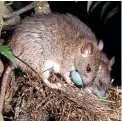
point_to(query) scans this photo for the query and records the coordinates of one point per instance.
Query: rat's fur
(58, 38)
(103, 79)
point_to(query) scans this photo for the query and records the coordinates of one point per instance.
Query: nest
(29, 99)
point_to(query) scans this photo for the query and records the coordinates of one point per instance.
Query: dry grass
(29, 99)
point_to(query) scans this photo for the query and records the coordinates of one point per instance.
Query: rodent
(59, 41)
(103, 79)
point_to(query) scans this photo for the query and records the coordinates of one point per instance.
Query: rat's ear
(100, 45)
(87, 49)
(102, 64)
(111, 62)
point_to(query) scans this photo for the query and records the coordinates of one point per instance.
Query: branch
(4, 82)
(20, 11)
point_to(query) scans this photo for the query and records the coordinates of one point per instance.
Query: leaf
(96, 4)
(4, 50)
(105, 8)
(111, 13)
(1, 117)
(89, 3)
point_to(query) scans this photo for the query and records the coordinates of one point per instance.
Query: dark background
(110, 32)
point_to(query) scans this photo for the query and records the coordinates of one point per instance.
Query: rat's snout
(102, 93)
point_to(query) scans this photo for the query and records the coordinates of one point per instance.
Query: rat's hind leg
(45, 77)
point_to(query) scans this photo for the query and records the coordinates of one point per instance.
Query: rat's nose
(87, 82)
(102, 93)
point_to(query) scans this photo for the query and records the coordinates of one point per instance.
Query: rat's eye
(100, 84)
(88, 69)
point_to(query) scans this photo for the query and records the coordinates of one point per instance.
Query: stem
(20, 11)
(4, 82)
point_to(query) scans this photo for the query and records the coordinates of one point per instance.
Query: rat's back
(42, 37)
(56, 38)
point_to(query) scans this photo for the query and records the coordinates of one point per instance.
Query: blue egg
(76, 77)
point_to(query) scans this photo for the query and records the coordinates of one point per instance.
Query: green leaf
(96, 4)
(111, 13)
(89, 5)
(1, 117)
(105, 9)
(4, 50)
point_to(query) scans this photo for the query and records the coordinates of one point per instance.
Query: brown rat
(57, 41)
(103, 79)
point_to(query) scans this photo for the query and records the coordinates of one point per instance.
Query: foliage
(5, 51)
(1, 117)
(108, 10)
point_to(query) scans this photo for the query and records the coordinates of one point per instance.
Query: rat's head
(88, 60)
(103, 80)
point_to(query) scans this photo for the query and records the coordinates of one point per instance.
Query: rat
(57, 41)
(103, 79)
